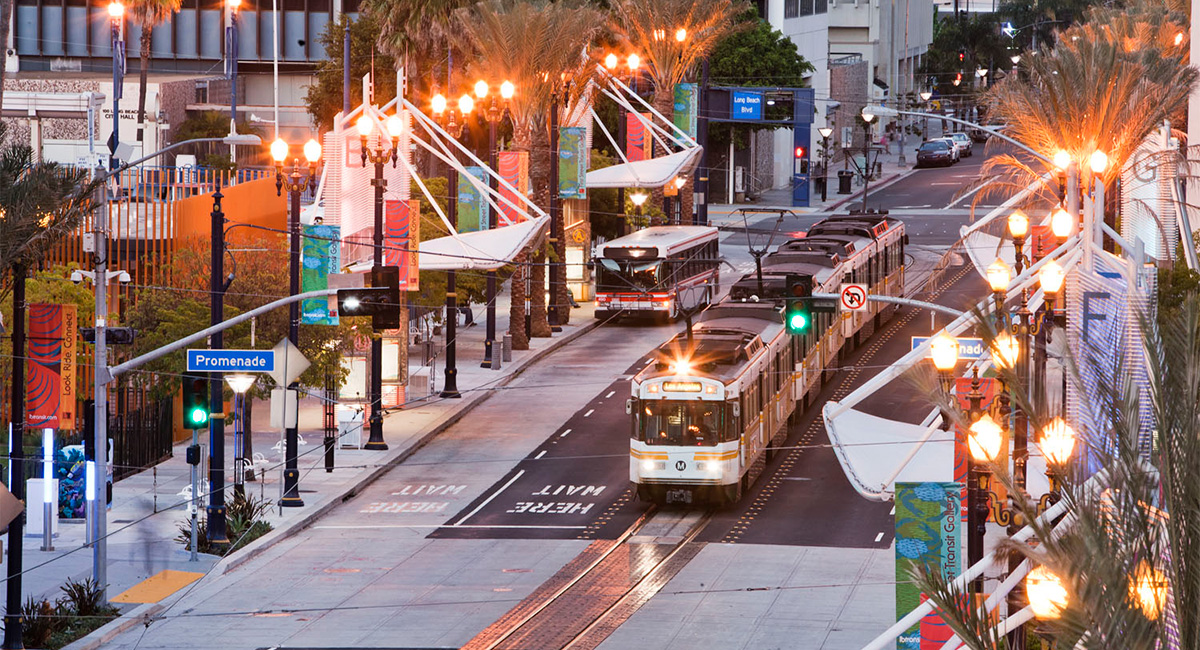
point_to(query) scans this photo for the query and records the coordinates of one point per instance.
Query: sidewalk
(781, 198)
(148, 507)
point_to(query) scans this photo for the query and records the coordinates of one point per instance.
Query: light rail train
(706, 413)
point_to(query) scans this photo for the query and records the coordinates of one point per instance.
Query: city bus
(657, 271)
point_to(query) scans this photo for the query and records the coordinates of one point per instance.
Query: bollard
(506, 352)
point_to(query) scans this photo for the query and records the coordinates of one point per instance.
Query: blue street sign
(745, 105)
(967, 348)
(231, 361)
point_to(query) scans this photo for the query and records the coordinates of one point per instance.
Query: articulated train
(705, 414)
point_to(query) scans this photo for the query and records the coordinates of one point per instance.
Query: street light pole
(494, 116)
(116, 14)
(553, 312)
(866, 117)
(295, 182)
(378, 155)
(232, 52)
(454, 127)
(825, 132)
(215, 531)
(12, 611)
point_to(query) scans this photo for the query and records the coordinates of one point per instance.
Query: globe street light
(1018, 227)
(1149, 589)
(295, 181)
(999, 275)
(378, 154)
(453, 121)
(495, 114)
(944, 350)
(1061, 224)
(868, 115)
(1047, 595)
(240, 383)
(825, 132)
(1057, 443)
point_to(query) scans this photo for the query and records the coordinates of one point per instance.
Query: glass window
(791, 8)
(675, 423)
(806, 7)
(613, 275)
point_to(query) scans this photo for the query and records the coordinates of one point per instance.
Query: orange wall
(251, 202)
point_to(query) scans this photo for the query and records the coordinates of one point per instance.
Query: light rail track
(592, 595)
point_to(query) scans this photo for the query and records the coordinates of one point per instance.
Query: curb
(145, 613)
(142, 614)
(879, 186)
(261, 545)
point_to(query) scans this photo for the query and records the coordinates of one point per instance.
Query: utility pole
(16, 529)
(99, 505)
(216, 422)
(702, 140)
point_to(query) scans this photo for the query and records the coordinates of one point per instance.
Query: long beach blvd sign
(231, 361)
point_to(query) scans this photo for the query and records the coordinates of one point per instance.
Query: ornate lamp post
(1047, 595)
(925, 97)
(867, 117)
(611, 63)
(494, 113)
(231, 51)
(295, 181)
(1018, 227)
(825, 132)
(378, 154)
(944, 351)
(452, 120)
(1062, 224)
(1057, 443)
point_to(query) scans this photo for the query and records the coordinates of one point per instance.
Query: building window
(806, 7)
(822, 6)
(791, 8)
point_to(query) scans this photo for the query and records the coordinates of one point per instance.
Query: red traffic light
(800, 152)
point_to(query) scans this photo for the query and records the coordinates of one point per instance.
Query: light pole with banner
(494, 113)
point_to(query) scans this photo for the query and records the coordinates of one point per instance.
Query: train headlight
(647, 466)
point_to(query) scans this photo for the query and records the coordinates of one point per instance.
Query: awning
(872, 452)
(485, 249)
(651, 173)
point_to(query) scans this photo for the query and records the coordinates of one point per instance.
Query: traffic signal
(801, 160)
(797, 312)
(381, 301)
(195, 402)
(962, 56)
(112, 336)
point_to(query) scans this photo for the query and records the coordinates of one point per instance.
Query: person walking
(885, 143)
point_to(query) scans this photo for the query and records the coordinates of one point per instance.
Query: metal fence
(141, 436)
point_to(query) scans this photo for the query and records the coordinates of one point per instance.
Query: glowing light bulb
(481, 89)
(279, 150)
(312, 151)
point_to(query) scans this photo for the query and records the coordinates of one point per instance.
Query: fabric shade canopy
(654, 172)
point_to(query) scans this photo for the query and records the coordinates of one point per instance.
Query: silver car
(963, 142)
(954, 146)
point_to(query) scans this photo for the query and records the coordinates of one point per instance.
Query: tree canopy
(324, 96)
(757, 56)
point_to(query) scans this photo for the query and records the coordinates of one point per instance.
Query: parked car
(935, 152)
(981, 136)
(954, 148)
(963, 142)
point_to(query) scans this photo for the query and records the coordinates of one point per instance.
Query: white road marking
(540, 454)
(964, 197)
(489, 499)
(879, 537)
(564, 433)
(590, 411)
(610, 394)
(367, 527)
(893, 512)
(796, 478)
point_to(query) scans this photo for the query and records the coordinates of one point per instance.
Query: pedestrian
(885, 143)
(468, 315)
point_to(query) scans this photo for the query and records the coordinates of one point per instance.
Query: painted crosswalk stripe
(489, 499)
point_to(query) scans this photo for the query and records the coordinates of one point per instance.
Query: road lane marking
(879, 537)
(590, 411)
(381, 526)
(963, 197)
(540, 454)
(893, 512)
(564, 433)
(610, 394)
(489, 499)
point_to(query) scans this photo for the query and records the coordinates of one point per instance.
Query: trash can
(844, 178)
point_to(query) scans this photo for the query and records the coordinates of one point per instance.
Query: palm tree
(540, 47)
(418, 27)
(1106, 86)
(148, 14)
(653, 29)
(40, 203)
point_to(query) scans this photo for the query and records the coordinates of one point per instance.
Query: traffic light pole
(98, 514)
(375, 441)
(16, 529)
(215, 531)
(291, 471)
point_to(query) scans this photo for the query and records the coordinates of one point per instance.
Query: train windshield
(695, 423)
(620, 275)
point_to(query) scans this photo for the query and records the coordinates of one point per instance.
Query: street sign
(854, 297)
(289, 363)
(745, 105)
(230, 361)
(967, 348)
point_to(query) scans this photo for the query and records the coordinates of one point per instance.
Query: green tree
(324, 97)
(148, 14)
(978, 38)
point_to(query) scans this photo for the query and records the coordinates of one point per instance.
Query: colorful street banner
(472, 207)
(637, 142)
(927, 534)
(401, 234)
(43, 383)
(687, 98)
(320, 255)
(70, 345)
(514, 169)
(572, 162)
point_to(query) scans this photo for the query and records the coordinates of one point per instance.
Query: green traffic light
(798, 322)
(198, 415)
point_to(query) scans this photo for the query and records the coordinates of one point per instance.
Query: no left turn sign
(854, 297)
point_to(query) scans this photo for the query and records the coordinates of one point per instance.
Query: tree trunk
(147, 33)
(6, 12)
(563, 299)
(538, 324)
(516, 311)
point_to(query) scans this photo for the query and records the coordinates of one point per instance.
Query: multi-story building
(65, 46)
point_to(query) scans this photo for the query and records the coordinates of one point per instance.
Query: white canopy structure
(484, 250)
(654, 172)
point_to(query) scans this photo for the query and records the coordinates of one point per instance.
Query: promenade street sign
(967, 348)
(230, 361)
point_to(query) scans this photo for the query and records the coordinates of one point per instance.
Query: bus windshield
(695, 423)
(620, 275)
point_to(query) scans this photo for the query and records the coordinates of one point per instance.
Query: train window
(669, 422)
(732, 425)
